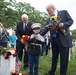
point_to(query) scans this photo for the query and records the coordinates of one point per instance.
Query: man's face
(25, 20)
(50, 11)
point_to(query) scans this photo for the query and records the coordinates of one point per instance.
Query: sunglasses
(36, 28)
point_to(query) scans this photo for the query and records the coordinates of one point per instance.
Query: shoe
(50, 73)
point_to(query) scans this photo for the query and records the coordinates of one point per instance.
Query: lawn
(45, 64)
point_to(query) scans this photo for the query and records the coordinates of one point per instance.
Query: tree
(73, 34)
(11, 12)
(30, 11)
(3, 8)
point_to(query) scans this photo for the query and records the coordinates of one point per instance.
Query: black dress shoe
(50, 73)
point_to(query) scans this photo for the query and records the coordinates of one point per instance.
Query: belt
(35, 44)
(56, 31)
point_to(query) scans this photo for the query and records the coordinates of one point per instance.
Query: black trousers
(20, 48)
(58, 48)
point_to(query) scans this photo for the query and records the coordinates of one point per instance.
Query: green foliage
(32, 13)
(2, 50)
(73, 34)
(11, 12)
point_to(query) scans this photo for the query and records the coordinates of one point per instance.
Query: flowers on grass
(18, 74)
(6, 53)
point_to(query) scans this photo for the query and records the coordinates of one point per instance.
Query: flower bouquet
(55, 24)
(25, 38)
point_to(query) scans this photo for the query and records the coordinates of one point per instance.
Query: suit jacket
(68, 21)
(20, 32)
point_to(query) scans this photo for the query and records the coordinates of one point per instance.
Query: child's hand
(32, 36)
(39, 37)
(22, 41)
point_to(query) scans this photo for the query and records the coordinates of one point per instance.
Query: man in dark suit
(23, 28)
(60, 42)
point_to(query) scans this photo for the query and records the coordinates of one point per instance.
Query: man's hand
(22, 41)
(61, 25)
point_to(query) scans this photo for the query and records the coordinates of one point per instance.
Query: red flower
(15, 54)
(14, 74)
(18, 74)
(7, 55)
(25, 37)
(58, 17)
(24, 74)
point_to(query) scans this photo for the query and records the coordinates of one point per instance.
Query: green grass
(45, 64)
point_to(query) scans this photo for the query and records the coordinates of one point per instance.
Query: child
(13, 39)
(34, 48)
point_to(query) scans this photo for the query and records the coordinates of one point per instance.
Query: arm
(32, 36)
(68, 20)
(40, 38)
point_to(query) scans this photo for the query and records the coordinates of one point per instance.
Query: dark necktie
(24, 26)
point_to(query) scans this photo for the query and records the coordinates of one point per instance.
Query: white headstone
(7, 65)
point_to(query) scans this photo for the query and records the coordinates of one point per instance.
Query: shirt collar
(24, 23)
(56, 13)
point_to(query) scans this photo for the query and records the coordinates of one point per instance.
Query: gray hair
(51, 6)
(24, 16)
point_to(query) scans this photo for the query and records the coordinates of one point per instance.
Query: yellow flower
(53, 18)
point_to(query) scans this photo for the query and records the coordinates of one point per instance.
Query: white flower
(20, 73)
(12, 51)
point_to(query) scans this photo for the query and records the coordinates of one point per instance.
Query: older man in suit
(23, 28)
(60, 42)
